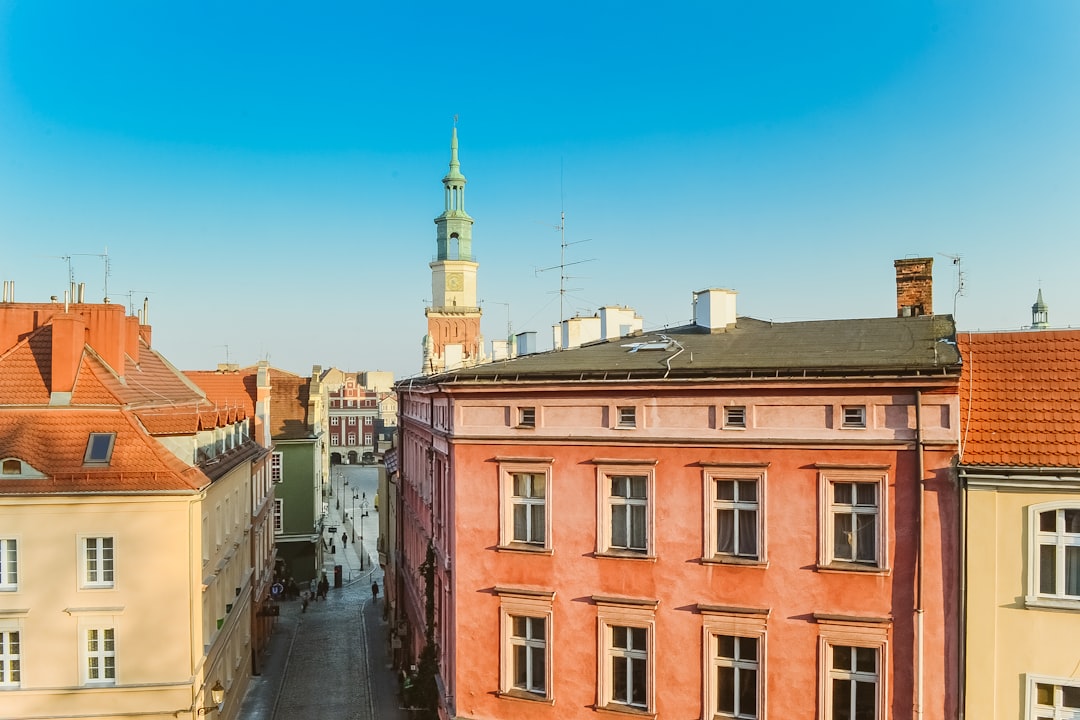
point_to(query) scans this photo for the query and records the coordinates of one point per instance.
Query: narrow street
(331, 662)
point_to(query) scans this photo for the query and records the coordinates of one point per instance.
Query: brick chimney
(914, 287)
(68, 342)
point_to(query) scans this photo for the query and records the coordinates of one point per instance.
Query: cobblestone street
(331, 662)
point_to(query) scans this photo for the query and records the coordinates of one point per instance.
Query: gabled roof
(231, 389)
(920, 345)
(289, 395)
(1020, 399)
(54, 442)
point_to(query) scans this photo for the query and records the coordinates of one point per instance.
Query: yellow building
(125, 509)
(1020, 466)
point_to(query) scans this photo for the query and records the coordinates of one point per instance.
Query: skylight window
(99, 448)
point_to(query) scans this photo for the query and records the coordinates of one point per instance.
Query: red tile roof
(1020, 398)
(53, 441)
(289, 406)
(227, 390)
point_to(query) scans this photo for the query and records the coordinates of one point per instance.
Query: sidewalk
(331, 662)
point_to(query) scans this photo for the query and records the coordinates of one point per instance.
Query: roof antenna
(959, 279)
(561, 227)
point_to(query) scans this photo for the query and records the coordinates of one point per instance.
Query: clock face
(454, 281)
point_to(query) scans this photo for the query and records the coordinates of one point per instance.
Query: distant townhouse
(353, 411)
(730, 519)
(299, 469)
(125, 503)
(1020, 470)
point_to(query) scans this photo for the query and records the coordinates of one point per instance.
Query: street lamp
(363, 514)
(217, 694)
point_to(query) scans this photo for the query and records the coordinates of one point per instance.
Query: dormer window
(11, 468)
(99, 448)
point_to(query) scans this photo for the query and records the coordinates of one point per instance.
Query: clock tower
(453, 338)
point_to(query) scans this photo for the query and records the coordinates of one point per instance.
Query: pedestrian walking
(344, 540)
(375, 592)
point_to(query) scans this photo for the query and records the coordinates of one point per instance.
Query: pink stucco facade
(794, 594)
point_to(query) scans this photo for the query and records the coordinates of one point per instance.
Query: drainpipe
(919, 610)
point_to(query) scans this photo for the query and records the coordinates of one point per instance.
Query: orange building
(731, 519)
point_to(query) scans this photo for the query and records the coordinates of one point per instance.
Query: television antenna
(959, 279)
(561, 267)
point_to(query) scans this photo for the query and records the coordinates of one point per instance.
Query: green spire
(455, 166)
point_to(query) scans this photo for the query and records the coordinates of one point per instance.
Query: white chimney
(616, 322)
(714, 308)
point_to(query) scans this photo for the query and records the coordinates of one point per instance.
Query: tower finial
(1040, 313)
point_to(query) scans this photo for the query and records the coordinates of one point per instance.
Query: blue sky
(267, 175)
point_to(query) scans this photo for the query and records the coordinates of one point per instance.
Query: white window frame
(524, 603)
(352, 419)
(742, 623)
(99, 577)
(10, 660)
(1058, 711)
(735, 417)
(98, 630)
(635, 613)
(9, 564)
(605, 502)
(868, 633)
(526, 417)
(828, 478)
(334, 420)
(279, 516)
(352, 439)
(277, 467)
(853, 417)
(508, 469)
(714, 474)
(1060, 539)
(626, 417)
(367, 438)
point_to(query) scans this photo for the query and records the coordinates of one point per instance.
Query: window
(627, 417)
(1054, 577)
(98, 562)
(352, 438)
(334, 420)
(525, 498)
(100, 656)
(9, 564)
(367, 438)
(12, 467)
(525, 665)
(99, 448)
(852, 524)
(734, 503)
(1053, 698)
(352, 419)
(854, 416)
(526, 417)
(625, 521)
(627, 653)
(852, 653)
(9, 658)
(279, 513)
(735, 416)
(528, 647)
(853, 682)
(628, 504)
(276, 470)
(734, 667)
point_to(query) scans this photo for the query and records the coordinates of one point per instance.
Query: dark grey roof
(922, 345)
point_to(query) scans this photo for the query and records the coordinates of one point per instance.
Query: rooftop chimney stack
(714, 309)
(914, 287)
